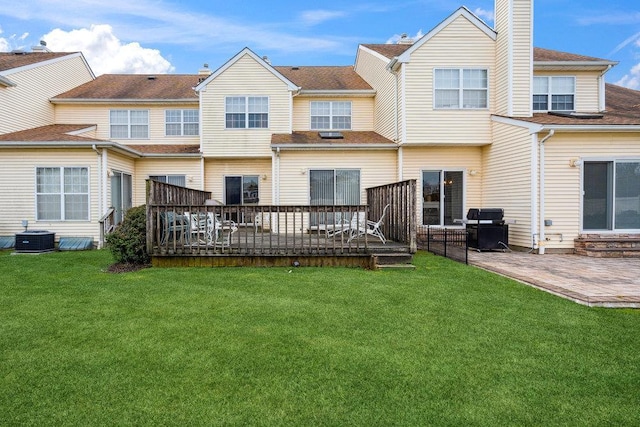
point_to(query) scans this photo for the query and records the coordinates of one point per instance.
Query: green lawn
(445, 344)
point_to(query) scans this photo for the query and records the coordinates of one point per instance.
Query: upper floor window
(554, 93)
(62, 194)
(331, 115)
(181, 123)
(129, 124)
(460, 88)
(247, 112)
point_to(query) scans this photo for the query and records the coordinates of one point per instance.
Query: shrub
(128, 242)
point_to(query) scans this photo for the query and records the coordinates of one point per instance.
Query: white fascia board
(532, 127)
(378, 55)
(243, 52)
(6, 82)
(569, 64)
(462, 11)
(47, 62)
(593, 128)
(83, 130)
(194, 101)
(307, 147)
(365, 93)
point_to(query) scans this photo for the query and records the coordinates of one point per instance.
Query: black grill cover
(490, 214)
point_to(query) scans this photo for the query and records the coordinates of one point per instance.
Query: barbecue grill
(487, 229)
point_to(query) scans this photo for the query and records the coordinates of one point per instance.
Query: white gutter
(391, 146)
(542, 237)
(122, 101)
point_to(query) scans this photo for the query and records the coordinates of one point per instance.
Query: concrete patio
(595, 282)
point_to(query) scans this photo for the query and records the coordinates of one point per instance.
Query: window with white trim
(62, 194)
(554, 93)
(330, 115)
(460, 88)
(180, 180)
(442, 197)
(181, 123)
(129, 124)
(247, 112)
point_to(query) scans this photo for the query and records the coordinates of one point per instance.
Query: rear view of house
(475, 115)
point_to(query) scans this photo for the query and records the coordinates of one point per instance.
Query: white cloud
(106, 53)
(631, 80)
(394, 38)
(486, 15)
(315, 17)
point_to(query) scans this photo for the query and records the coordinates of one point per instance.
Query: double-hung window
(129, 124)
(330, 115)
(461, 88)
(555, 93)
(62, 193)
(181, 123)
(247, 112)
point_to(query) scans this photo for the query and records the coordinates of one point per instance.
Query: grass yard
(446, 344)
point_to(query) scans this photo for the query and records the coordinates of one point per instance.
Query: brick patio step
(608, 246)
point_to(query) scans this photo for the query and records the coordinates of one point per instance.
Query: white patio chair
(369, 227)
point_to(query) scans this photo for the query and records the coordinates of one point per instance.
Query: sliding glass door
(611, 195)
(333, 187)
(442, 197)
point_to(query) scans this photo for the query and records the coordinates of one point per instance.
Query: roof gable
(461, 12)
(10, 61)
(236, 58)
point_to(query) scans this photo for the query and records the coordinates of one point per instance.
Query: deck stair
(394, 259)
(608, 246)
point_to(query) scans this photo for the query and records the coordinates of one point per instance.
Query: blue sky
(154, 36)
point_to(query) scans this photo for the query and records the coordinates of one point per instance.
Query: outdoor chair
(369, 227)
(174, 226)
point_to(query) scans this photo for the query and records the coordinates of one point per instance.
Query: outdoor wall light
(473, 172)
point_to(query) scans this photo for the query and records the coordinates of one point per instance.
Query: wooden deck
(246, 247)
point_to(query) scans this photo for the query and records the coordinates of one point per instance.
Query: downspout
(100, 179)
(202, 177)
(542, 178)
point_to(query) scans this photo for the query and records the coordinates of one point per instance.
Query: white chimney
(404, 39)
(204, 71)
(42, 47)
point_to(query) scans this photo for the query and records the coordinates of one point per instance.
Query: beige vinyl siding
(506, 179)
(244, 78)
(522, 58)
(373, 70)
(18, 200)
(513, 57)
(27, 104)
(501, 24)
(161, 166)
(460, 45)
(563, 200)
(216, 170)
(361, 112)
(587, 88)
(100, 116)
(419, 159)
(376, 168)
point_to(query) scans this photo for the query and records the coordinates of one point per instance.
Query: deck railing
(176, 229)
(107, 225)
